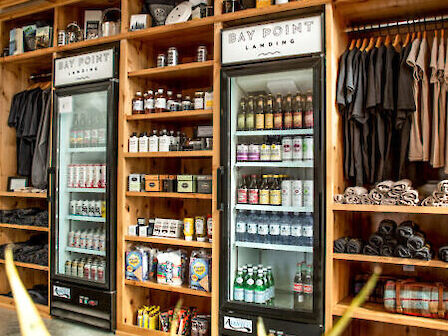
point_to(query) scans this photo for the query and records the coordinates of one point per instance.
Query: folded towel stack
(384, 193)
(347, 245)
(439, 196)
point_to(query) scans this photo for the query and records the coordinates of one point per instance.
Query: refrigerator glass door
(272, 190)
(80, 199)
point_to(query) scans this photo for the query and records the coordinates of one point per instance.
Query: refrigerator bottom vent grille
(87, 316)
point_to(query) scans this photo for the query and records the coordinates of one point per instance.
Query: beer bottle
(259, 117)
(269, 112)
(297, 116)
(287, 112)
(275, 193)
(264, 191)
(253, 190)
(298, 288)
(309, 111)
(242, 191)
(250, 114)
(241, 120)
(278, 112)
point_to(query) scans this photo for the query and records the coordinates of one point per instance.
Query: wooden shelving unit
(194, 115)
(168, 288)
(22, 194)
(180, 154)
(169, 241)
(24, 227)
(390, 260)
(390, 209)
(168, 195)
(190, 70)
(28, 265)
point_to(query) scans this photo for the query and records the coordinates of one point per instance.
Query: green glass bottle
(260, 288)
(238, 286)
(249, 287)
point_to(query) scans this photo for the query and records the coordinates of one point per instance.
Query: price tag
(65, 104)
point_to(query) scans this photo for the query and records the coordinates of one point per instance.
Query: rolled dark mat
(354, 246)
(370, 250)
(391, 241)
(387, 250)
(425, 253)
(443, 253)
(406, 229)
(402, 252)
(416, 241)
(387, 227)
(376, 240)
(339, 245)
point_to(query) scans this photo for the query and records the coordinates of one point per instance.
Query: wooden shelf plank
(200, 153)
(168, 288)
(24, 227)
(28, 265)
(132, 330)
(31, 56)
(90, 43)
(376, 312)
(390, 260)
(390, 208)
(186, 70)
(168, 195)
(22, 194)
(274, 9)
(169, 241)
(183, 116)
(8, 302)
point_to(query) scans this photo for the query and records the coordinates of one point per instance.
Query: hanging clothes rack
(395, 24)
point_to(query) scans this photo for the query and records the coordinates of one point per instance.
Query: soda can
(70, 175)
(90, 176)
(286, 193)
(202, 53)
(71, 238)
(78, 210)
(97, 209)
(74, 268)
(242, 152)
(62, 37)
(91, 208)
(173, 56)
(100, 272)
(82, 176)
(68, 267)
(308, 193)
(94, 272)
(297, 193)
(103, 181)
(87, 271)
(308, 148)
(73, 207)
(77, 239)
(287, 149)
(97, 177)
(297, 148)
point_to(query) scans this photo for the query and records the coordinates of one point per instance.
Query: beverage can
(100, 272)
(287, 148)
(97, 176)
(68, 267)
(71, 238)
(286, 193)
(297, 148)
(82, 176)
(254, 152)
(70, 175)
(308, 191)
(297, 193)
(242, 152)
(103, 181)
(87, 271)
(78, 210)
(91, 208)
(85, 208)
(276, 152)
(202, 53)
(173, 56)
(97, 209)
(73, 207)
(308, 148)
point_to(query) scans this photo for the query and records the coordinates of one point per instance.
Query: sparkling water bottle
(240, 228)
(238, 286)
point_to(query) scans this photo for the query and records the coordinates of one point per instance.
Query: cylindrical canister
(297, 193)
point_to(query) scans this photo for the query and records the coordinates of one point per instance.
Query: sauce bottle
(137, 103)
(160, 101)
(149, 102)
(133, 143)
(154, 142)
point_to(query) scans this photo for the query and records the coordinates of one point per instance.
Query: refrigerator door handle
(51, 171)
(219, 177)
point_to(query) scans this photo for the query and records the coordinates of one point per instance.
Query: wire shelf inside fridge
(277, 247)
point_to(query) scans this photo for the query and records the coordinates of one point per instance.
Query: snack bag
(134, 265)
(200, 271)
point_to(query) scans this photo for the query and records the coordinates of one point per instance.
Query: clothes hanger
(371, 44)
(365, 42)
(387, 41)
(379, 39)
(424, 26)
(408, 35)
(397, 39)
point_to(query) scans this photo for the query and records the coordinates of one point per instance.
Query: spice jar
(202, 54)
(186, 104)
(149, 102)
(173, 57)
(199, 100)
(161, 60)
(160, 101)
(137, 103)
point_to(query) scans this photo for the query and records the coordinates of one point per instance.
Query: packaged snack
(200, 264)
(136, 265)
(171, 267)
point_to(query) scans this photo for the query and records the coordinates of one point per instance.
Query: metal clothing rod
(425, 20)
(39, 76)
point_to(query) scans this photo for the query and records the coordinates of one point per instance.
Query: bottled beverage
(287, 112)
(252, 227)
(269, 112)
(253, 190)
(297, 116)
(260, 288)
(250, 114)
(241, 119)
(143, 142)
(164, 142)
(74, 131)
(270, 276)
(154, 142)
(241, 225)
(285, 231)
(274, 230)
(259, 116)
(265, 191)
(169, 100)
(276, 150)
(298, 288)
(149, 102)
(265, 151)
(267, 284)
(249, 287)
(263, 229)
(137, 103)
(296, 230)
(309, 111)
(278, 112)
(307, 229)
(287, 148)
(308, 287)
(242, 191)
(238, 286)
(160, 101)
(275, 193)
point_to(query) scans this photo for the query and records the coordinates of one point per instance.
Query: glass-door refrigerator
(83, 193)
(273, 181)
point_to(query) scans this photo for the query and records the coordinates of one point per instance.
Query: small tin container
(152, 183)
(202, 54)
(62, 37)
(186, 183)
(173, 56)
(169, 183)
(204, 183)
(161, 60)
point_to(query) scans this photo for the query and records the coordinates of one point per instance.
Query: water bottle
(252, 227)
(241, 224)
(307, 229)
(274, 229)
(263, 228)
(296, 230)
(285, 230)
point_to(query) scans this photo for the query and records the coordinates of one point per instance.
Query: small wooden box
(152, 183)
(186, 183)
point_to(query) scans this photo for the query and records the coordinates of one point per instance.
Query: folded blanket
(339, 199)
(376, 241)
(401, 186)
(355, 191)
(402, 252)
(354, 246)
(387, 250)
(389, 201)
(411, 196)
(385, 186)
(365, 199)
(406, 229)
(339, 245)
(440, 196)
(429, 201)
(370, 250)
(375, 195)
(407, 203)
(395, 194)
(443, 253)
(425, 253)
(387, 227)
(391, 241)
(352, 199)
(416, 242)
(442, 186)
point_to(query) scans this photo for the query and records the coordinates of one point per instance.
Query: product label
(240, 227)
(297, 120)
(252, 228)
(133, 145)
(274, 229)
(160, 103)
(249, 294)
(253, 196)
(241, 122)
(265, 152)
(278, 120)
(149, 103)
(285, 230)
(288, 120)
(276, 197)
(259, 121)
(276, 153)
(308, 289)
(269, 121)
(238, 324)
(309, 119)
(250, 122)
(238, 294)
(260, 296)
(154, 144)
(264, 196)
(137, 105)
(198, 103)
(296, 231)
(263, 229)
(242, 196)
(307, 231)
(298, 287)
